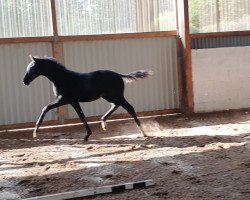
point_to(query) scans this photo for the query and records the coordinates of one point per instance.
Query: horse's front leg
(82, 117)
(58, 102)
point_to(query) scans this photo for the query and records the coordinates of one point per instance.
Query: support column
(185, 55)
(57, 53)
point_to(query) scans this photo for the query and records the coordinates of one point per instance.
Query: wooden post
(57, 54)
(186, 57)
(179, 59)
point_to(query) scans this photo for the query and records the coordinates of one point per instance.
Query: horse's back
(107, 80)
(85, 87)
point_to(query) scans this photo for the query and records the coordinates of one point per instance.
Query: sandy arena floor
(205, 156)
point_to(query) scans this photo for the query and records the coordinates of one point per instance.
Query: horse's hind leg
(132, 112)
(107, 114)
(82, 117)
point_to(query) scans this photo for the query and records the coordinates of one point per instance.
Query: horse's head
(33, 71)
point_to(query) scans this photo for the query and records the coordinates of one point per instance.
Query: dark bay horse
(72, 87)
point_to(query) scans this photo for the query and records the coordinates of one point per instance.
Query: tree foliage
(219, 15)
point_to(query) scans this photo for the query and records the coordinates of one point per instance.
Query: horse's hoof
(148, 137)
(34, 134)
(86, 139)
(104, 124)
(144, 137)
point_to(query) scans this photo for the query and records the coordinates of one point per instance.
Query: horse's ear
(33, 58)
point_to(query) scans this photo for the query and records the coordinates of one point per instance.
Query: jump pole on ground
(95, 191)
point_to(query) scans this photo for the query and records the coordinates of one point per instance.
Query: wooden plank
(26, 40)
(117, 36)
(179, 60)
(87, 37)
(220, 34)
(120, 36)
(57, 53)
(6, 128)
(95, 191)
(126, 116)
(53, 14)
(185, 53)
(179, 71)
(189, 73)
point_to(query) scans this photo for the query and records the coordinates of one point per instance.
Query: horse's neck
(58, 75)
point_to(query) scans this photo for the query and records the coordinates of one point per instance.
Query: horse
(72, 87)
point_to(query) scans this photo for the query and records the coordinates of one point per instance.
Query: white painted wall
(221, 78)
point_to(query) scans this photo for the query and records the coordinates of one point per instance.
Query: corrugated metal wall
(234, 41)
(18, 103)
(159, 54)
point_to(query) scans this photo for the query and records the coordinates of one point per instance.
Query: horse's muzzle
(26, 82)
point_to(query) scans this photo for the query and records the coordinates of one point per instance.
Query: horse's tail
(134, 76)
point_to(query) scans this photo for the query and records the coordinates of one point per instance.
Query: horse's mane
(51, 60)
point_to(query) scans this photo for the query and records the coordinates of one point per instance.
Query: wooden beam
(179, 60)
(179, 71)
(26, 40)
(6, 128)
(120, 36)
(54, 21)
(125, 116)
(116, 36)
(220, 34)
(189, 76)
(57, 53)
(186, 58)
(57, 38)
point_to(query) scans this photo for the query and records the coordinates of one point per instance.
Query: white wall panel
(158, 92)
(18, 103)
(221, 78)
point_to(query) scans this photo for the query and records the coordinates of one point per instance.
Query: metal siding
(234, 41)
(20, 104)
(158, 92)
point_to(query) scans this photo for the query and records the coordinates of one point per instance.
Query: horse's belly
(86, 97)
(79, 94)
